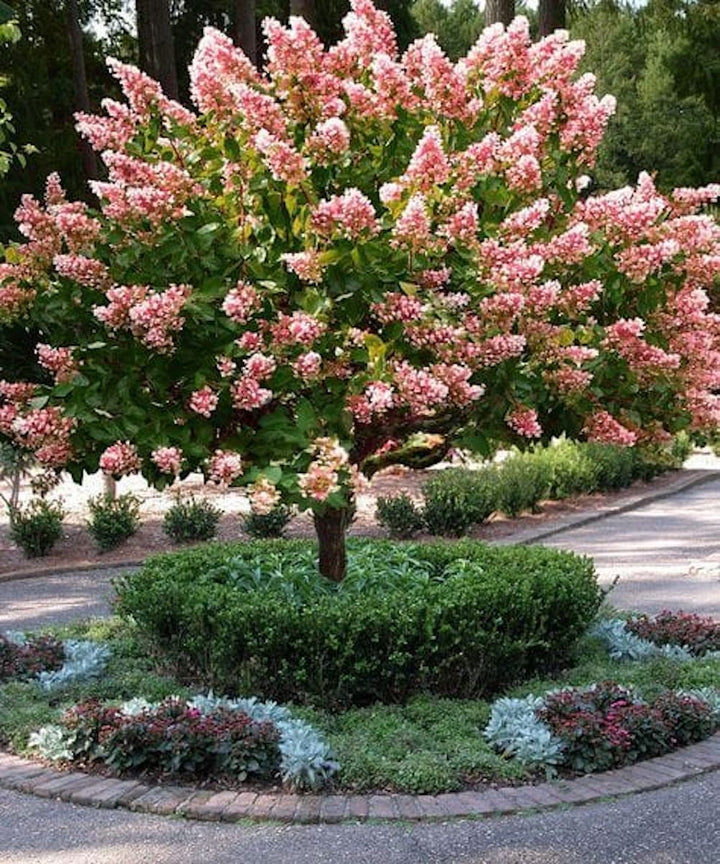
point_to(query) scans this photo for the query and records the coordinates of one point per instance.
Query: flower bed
(602, 726)
(205, 737)
(49, 661)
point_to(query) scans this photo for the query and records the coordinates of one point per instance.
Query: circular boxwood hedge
(455, 619)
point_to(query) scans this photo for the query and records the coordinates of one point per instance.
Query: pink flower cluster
(322, 478)
(240, 302)
(247, 394)
(308, 366)
(119, 459)
(152, 316)
(203, 401)
(350, 215)
(524, 421)
(305, 265)
(603, 428)
(300, 328)
(377, 399)
(224, 467)
(264, 496)
(168, 459)
(157, 317)
(59, 361)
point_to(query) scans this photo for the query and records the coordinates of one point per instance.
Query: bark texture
(157, 52)
(551, 16)
(502, 11)
(81, 99)
(331, 527)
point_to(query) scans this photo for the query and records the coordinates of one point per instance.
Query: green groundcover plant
(427, 745)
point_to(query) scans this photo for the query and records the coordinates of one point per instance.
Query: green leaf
(305, 417)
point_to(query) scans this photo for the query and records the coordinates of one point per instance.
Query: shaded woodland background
(660, 60)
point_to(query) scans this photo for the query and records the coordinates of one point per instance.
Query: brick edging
(90, 790)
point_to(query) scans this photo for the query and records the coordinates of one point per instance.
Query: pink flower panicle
(305, 265)
(203, 401)
(247, 394)
(240, 302)
(259, 366)
(300, 328)
(83, 270)
(429, 165)
(264, 497)
(157, 317)
(602, 428)
(308, 365)
(120, 459)
(168, 459)
(59, 361)
(330, 139)
(524, 421)
(322, 478)
(413, 229)
(224, 467)
(350, 215)
(282, 159)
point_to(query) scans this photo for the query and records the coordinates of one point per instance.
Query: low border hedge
(460, 620)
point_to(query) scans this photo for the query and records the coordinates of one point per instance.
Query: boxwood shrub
(459, 620)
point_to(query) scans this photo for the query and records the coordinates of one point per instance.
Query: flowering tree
(352, 260)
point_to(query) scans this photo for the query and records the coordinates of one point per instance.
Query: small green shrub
(37, 526)
(458, 498)
(571, 468)
(614, 467)
(523, 481)
(458, 620)
(268, 525)
(399, 515)
(113, 520)
(190, 519)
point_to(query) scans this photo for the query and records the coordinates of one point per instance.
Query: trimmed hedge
(459, 620)
(458, 499)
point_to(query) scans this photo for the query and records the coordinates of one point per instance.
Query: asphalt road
(666, 553)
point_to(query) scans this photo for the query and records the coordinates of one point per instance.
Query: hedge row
(459, 620)
(456, 499)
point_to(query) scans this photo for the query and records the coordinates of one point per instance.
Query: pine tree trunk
(245, 28)
(330, 528)
(157, 53)
(502, 11)
(304, 9)
(551, 16)
(80, 91)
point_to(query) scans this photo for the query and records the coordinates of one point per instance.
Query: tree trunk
(551, 16)
(304, 9)
(330, 528)
(245, 28)
(157, 54)
(80, 90)
(502, 11)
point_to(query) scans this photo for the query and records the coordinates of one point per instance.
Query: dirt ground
(77, 548)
